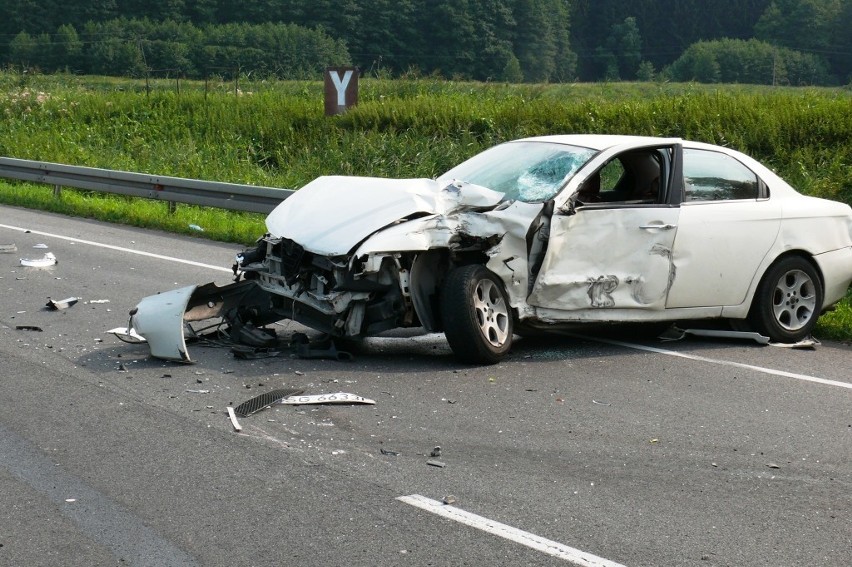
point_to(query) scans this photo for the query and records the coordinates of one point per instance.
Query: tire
(476, 315)
(788, 300)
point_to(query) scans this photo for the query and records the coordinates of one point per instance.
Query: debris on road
(439, 464)
(674, 333)
(97, 301)
(338, 398)
(808, 343)
(389, 453)
(8, 248)
(262, 401)
(253, 353)
(56, 305)
(127, 335)
(48, 260)
(198, 391)
(164, 320)
(436, 452)
(324, 348)
(234, 422)
(28, 328)
(449, 499)
(196, 228)
(40, 246)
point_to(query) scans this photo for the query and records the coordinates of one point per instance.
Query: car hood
(332, 214)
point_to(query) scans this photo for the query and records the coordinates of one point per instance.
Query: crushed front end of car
(341, 295)
(349, 257)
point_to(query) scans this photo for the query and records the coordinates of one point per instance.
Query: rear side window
(713, 176)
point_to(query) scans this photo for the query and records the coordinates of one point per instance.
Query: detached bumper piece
(163, 319)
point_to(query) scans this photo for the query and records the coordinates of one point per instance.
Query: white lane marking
(532, 541)
(772, 371)
(119, 248)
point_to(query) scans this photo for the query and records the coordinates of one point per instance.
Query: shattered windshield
(524, 171)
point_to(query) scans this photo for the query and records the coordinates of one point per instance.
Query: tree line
(137, 48)
(760, 41)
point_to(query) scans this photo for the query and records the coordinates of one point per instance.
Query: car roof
(601, 141)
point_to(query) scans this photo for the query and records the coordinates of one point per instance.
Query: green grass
(275, 134)
(837, 324)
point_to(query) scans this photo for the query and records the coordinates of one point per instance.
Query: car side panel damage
(633, 245)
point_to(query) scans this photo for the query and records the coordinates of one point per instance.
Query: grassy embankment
(274, 134)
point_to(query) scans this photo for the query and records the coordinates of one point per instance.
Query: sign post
(341, 89)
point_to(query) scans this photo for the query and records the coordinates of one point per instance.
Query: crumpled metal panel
(332, 214)
(159, 318)
(604, 259)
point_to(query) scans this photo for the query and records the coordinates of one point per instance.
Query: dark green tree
(751, 61)
(67, 48)
(541, 40)
(799, 24)
(841, 56)
(449, 28)
(666, 28)
(622, 53)
(22, 49)
(383, 37)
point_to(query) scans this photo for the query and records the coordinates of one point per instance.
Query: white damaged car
(532, 235)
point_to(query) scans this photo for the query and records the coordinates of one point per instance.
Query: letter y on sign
(340, 86)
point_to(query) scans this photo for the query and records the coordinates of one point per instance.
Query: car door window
(632, 178)
(713, 176)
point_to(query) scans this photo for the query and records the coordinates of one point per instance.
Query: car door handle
(658, 226)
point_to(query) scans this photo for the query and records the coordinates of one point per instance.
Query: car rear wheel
(788, 300)
(476, 315)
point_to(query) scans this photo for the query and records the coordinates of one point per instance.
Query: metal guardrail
(230, 196)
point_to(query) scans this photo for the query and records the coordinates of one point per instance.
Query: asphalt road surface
(577, 450)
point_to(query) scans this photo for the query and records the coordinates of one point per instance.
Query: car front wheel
(476, 315)
(788, 301)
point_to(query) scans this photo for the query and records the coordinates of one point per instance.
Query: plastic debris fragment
(28, 328)
(57, 304)
(262, 401)
(8, 248)
(127, 335)
(234, 422)
(808, 343)
(338, 398)
(48, 260)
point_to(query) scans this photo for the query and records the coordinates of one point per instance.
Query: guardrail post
(57, 190)
(172, 207)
